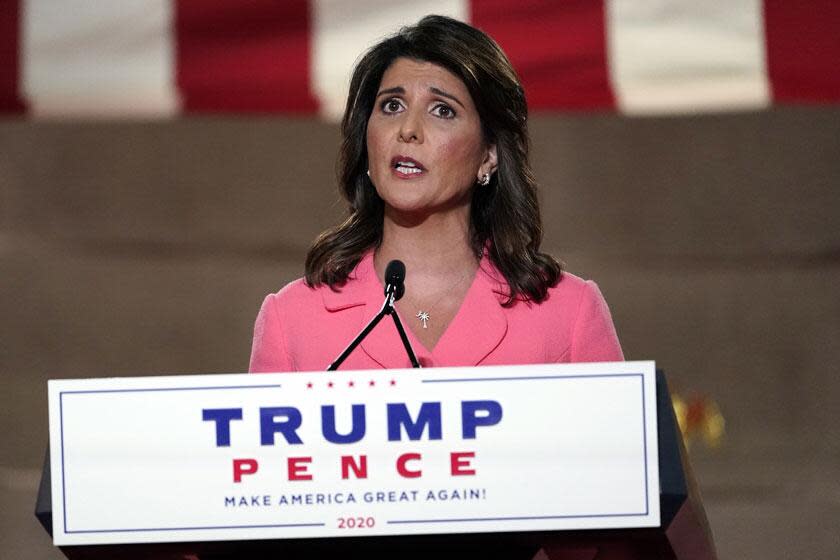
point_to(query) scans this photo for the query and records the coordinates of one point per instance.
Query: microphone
(395, 279)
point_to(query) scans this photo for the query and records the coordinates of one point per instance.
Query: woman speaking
(434, 166)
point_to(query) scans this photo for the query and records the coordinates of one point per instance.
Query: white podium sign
(354, 453)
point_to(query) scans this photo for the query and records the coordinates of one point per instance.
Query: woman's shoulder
(296, 288)
(571, 287)
(300, 295)
(300, 291)
(294, 294)
(569, 282)
(584, 312)
(571, 299)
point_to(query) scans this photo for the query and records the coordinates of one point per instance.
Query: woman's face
(424, 141)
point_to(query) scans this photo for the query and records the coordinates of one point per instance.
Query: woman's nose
(411, 128)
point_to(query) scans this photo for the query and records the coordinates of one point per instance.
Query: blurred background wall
(144, 247)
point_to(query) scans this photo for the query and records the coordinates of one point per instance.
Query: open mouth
(407, 166)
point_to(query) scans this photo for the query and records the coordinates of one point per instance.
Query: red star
(350, 384)
(330, 384)
(372, 383)
(393, 382)
(309, 385)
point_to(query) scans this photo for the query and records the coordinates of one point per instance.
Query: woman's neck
(435, 249)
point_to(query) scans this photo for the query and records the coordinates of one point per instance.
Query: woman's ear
(490, 163)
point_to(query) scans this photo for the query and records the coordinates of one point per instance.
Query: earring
(368, 172)
(485, 180)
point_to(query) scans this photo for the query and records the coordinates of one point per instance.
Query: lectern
(682, 534)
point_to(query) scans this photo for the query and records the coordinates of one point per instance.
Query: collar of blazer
(475, 331)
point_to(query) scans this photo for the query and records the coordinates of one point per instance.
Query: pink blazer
(304, 329)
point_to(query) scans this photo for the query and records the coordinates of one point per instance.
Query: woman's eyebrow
(398, 89)
(437, 91)
(446, 95)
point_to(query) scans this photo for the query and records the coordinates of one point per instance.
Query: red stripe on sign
(10, 100)
(803, 49)
(559, 49)
(244, 56)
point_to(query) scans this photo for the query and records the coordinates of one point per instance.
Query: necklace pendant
(424, 317)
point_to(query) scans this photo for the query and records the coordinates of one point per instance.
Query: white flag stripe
(686, 56)
(343, 30)
(82, 58)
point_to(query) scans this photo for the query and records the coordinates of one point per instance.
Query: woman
(434, 164)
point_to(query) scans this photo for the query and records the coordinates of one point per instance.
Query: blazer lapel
(480, 324)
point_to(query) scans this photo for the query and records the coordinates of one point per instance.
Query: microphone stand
(387, 309)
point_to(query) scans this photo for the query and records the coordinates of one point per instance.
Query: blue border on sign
(155, 529)
(538, 517)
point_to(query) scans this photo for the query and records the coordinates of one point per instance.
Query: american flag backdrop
(161, 58)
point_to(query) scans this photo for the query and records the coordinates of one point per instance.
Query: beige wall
(146, 248)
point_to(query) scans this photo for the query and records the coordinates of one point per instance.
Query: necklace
(424, 316)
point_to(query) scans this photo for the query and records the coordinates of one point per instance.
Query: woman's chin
(413, 213)
(407, 214)
(409, 203)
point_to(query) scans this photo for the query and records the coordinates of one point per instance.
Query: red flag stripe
(258, 56)
(244, 56)
(559, 49)
(803, 50)
(10, 98)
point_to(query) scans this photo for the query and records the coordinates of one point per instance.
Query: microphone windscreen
(395, 276)
(395, 273)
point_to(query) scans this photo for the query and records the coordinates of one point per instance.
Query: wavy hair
(504, 215)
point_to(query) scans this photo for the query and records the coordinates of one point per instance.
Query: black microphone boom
(394, 290)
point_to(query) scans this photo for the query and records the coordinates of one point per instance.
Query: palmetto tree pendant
(423, 316)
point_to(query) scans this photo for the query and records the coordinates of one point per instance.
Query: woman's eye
(444, 111)
(391, 106)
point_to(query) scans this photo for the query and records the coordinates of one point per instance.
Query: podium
(683, 533)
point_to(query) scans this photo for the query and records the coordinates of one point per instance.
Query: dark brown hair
(504, 215)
